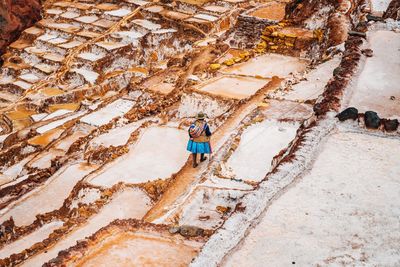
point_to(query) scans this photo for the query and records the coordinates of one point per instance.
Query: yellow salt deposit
(19, 114)
(51, 91)
(45, 139)
(67, 106)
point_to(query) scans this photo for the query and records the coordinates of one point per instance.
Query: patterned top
(198, 130)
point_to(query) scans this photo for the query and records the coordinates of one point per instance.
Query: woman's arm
(208, 132)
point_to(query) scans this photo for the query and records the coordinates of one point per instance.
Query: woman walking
(199, 142)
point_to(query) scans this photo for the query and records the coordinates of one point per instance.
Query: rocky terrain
(16, 16)
(302, 98)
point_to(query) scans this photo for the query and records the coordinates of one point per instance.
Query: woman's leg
(202, 158)
(194, 160)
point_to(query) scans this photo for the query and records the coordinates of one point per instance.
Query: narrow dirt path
(188, 175)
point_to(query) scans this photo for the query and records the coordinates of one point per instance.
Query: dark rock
(174, 230)
(391, 125)
(359, 34)
(372, 120)
(190, 231)
(310, 102)
(337, 71)
(374, 18)
(348, 113)
(367, 52)
(362, 26)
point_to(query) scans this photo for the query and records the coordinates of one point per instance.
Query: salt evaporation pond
(159, 153)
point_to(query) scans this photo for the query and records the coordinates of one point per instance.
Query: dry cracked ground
(303, 98)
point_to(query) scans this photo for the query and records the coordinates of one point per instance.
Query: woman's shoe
(203, 159)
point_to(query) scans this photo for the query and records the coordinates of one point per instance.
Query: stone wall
(248, 31)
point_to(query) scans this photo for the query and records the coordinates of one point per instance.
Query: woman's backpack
(196, 129)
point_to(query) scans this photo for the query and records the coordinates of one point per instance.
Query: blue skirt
(201, 148)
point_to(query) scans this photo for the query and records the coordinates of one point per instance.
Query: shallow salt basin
(80, 131)
(11, 173)
(130, 203)
(379, 6)
(117, 136)
(90, 76)
(191, 104)
(104, 115)
(140, 249)
(233, 87)
(287, 110)
(272, 11)
(57, 123)
(43, 160)
(57, 188)
(29, 240)
(344, 211)
(259, 144)
(380, 77)
(269, 65)
(159, 153)
(315, 83)
(201, 209)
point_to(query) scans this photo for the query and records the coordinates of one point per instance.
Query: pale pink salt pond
(159, 153)
(315, 84)
(80, 130)
(233, 87)
(191, 104)
(380, 77)
(106, 114)
(269, 65)
(11, 173)
(141, 249)
(116, 137)
(200, 209)
(379, 6)
(259, 143)
(56, 188)
(29, 240)
(129, 203)
(43, 160)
